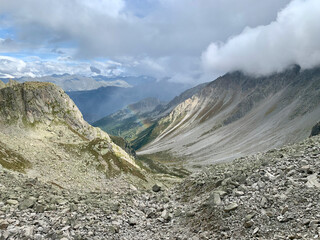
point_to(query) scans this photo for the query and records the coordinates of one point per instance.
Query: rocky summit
(272, 195)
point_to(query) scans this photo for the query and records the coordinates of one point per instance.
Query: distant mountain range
(98, 103)
(70, 82)
(98, 96)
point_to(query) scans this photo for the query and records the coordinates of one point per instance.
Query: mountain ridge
(44, 135)
(236, 112)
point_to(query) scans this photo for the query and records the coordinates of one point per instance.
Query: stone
(313, 181)
(62, 201)
(132, 221)
(261, 184)
(27, 203)
(249, 216)
(239, 193)
(28, 231)
(113, 229)
(12, 202)
(231, 207)
(255, 231)
(248, 224)
(115, 207)
(216, 199)
(190, 214)
(264, 202)
(165, 215)
(3, 224)
(284, 210)
(156, 188)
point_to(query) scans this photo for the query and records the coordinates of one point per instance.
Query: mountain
(101, 102)
(43, 134)
(130, 121)
(237, 115)
(70, 82)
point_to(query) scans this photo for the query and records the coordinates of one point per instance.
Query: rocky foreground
(272, 195)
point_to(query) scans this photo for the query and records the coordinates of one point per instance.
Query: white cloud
(10, 65)
(36, 67)
(294, 38)
(168, 39)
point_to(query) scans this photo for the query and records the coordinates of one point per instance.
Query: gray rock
(12, 202)
(231, 207)
(156, 188)
(248, 224)
(27, 203)
(132, 221)
(165, 215)
(216, 199)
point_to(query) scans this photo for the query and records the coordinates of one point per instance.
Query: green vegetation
(163, 163)
(12, 160)
(144, 137)
(127, 128)
(123, 144)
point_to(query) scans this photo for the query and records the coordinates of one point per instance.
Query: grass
(164, 163)
(13, 161)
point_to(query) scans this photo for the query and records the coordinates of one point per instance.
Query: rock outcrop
(43, 134)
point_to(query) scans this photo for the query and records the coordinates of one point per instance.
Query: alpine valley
(62, 178)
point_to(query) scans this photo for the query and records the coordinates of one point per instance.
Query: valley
(159, 120)
(214, 163)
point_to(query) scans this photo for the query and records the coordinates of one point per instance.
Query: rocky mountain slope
(43, 134)
(237, 115)
(272, 195)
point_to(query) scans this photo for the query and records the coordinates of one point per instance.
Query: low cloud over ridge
(294, 38)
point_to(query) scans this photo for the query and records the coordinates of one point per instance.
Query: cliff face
(43, 134)
(237, 115)
(33, 103)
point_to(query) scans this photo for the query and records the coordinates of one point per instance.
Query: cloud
(36, 67)
(8, 45)
(293, 38)
(95, 70)
(162, 34)
(57, 51)
(10, 65)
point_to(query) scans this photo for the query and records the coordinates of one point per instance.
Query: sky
(181, 40)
